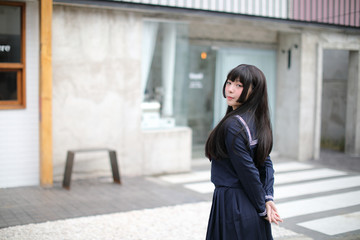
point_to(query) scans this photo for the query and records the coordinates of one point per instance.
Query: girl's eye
(239, 85)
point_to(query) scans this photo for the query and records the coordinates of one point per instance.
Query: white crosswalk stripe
(205, 187)
(318, 204)
(187, 177)
(344, 223)
(306, 175)
(305, 191)
(316, 187)
(291, 166)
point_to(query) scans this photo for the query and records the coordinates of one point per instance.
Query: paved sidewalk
(87, 197)
(180, 222)
(96, 208)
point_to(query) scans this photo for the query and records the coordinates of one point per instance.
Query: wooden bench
(70, 162)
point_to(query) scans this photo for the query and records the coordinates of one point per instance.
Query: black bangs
(238, 73)
(243, 75)
(234, 75)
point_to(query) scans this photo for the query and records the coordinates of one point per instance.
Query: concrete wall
(334, 92)
(97, 92)
(19, 128)
(231, 31)
(286, 137)
(96, 87)
(97, 97)
(352, 129)
(166, 150)
(307, 95)
(349, 42)
(300, 88)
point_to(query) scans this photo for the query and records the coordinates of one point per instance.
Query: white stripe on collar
(251, 141)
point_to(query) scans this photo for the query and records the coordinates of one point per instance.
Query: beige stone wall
(286, 137)
(307, 95)
(97, 82)
(96, 86)
(166, 150)
(299, 91)
(235, 32)
(97, 97)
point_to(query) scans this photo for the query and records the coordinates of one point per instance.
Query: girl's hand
(272, 213)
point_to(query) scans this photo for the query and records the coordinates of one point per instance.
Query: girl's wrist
(269, 198)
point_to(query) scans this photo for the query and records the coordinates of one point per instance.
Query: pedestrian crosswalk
(305, 194)
(305, 175)
(313, 187)
(350, 222)
(318, 204)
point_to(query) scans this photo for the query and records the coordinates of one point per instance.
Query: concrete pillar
(307, 95)
(352, 129)
(286, 133)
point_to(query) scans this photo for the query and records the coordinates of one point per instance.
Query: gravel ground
(182, 222)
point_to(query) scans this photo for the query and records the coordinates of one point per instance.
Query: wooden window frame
(18, 67)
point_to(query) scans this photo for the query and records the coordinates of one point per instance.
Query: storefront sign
(5, 48)
(10, 48)
(196, 76)
(195, 84)
(196, 80)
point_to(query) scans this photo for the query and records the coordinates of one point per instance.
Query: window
(12, 55)
(164, 67)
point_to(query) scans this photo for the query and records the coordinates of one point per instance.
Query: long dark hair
(256, 104)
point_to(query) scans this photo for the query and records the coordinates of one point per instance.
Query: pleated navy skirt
(233, 217)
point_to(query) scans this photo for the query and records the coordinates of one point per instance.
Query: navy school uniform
(241, 189)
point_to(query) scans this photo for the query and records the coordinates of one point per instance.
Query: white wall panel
(19, 129)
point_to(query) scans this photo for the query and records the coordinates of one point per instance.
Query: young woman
(241, 169)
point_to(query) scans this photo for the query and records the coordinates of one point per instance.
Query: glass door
(200, 102)
(228, 58)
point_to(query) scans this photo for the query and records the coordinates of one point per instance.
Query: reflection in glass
(8, 86)
(164, 73)
(200, 97)
(10, 34)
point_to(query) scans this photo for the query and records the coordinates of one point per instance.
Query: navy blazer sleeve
(244, 166)
(267, 178)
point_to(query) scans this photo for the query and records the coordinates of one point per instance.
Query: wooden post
(46, 165)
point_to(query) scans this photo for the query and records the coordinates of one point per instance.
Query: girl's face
(233, 91)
